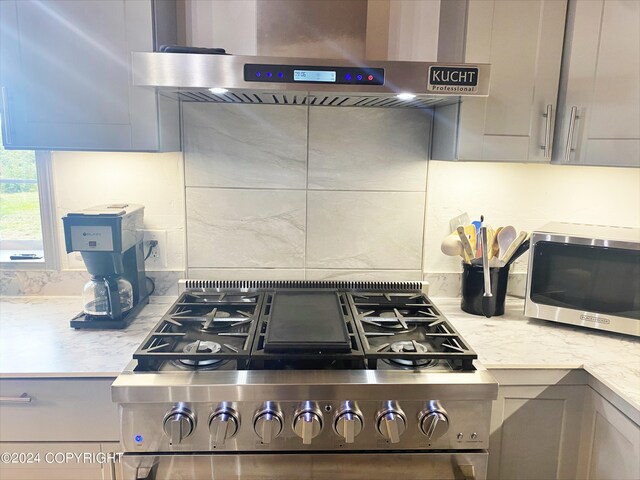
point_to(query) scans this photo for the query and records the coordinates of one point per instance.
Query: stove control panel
(302, 425)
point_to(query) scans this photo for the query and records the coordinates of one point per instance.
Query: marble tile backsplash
(305, 192)
(245, 146)
(241, 228)
(365, 230)
(368, 149)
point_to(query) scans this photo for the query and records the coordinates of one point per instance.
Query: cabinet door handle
(572, 126)
(5, 114)
(547, 132)
(24, 398)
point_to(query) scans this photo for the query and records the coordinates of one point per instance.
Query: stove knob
(434, 421)
(178, 424)
(307, 422)
(268, 425)
(223, 424)
(348, 422)
(391, 423)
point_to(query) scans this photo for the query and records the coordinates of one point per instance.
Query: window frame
(48, 222)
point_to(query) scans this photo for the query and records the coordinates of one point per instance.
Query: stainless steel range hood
(294, 81)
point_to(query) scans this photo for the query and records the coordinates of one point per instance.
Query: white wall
(155, 180)
(525, 196)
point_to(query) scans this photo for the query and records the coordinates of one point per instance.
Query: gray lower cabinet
(535, 432)
(523, 43)
(609, 443)
(550, 424)
(65, 431)
(65, 74)
(598, 121)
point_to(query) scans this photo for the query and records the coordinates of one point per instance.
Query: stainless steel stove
(292, 380)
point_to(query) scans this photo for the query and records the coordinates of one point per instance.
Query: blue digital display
(138, 438)
(314, 76)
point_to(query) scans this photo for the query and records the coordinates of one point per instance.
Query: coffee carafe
(110, 240)
(107, 296)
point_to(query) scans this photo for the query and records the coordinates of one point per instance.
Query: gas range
(240, 371)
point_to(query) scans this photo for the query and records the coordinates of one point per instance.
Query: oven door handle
(468, 471)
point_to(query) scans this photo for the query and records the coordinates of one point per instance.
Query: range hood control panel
(305, 74)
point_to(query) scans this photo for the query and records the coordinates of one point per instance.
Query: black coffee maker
(110, 239)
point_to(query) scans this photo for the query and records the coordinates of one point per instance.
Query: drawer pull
(24, 398)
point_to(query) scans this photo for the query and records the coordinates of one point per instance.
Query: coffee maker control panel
(104, 228)
(88, 238)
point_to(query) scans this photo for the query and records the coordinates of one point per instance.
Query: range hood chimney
(312, 29)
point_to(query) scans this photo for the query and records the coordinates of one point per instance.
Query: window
(26, 219)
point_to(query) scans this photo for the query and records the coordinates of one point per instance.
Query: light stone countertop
(36, 341)
(515, 341)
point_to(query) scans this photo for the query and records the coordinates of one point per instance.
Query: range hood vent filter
(303, 98)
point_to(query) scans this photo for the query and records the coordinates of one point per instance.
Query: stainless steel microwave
(587, 275)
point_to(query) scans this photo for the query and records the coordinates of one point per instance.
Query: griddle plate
(309, 322)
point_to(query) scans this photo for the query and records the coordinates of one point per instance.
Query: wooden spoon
(452, 246)
(470, 230)
(495, 247)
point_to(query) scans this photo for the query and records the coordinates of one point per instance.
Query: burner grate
(198, 320)
(319, 328)
(386, 320)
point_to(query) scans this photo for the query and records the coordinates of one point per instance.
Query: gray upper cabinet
(66, 77)
(598, 121)
(523, 43)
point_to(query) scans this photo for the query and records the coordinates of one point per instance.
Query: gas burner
(388, 298)
(216, 320)
(413, 347)
(394, 320)
(200, 347)
(205, 297)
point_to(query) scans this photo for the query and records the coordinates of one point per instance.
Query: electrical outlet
(158, 258)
